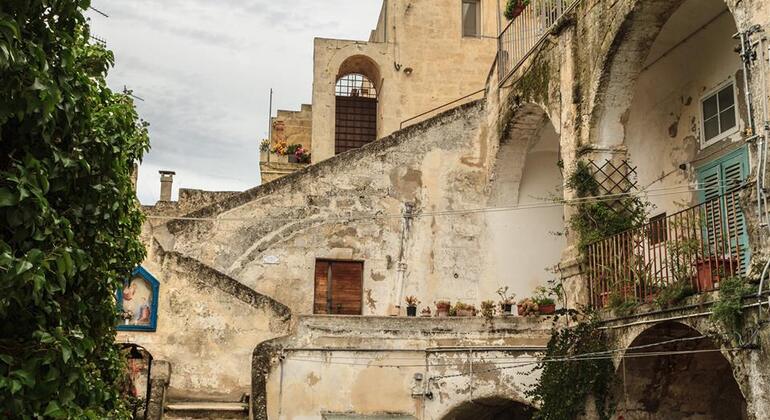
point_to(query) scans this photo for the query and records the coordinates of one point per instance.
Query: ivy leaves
(69, 222)
(568, 377)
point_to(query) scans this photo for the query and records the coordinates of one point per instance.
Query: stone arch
(361, 64)
(525, 179)
(623, 62)
(671, 370)
(357, 89)
(490, 408)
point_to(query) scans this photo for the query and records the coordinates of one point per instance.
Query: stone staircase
(188, 410)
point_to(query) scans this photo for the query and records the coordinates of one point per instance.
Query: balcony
(694, 248)
(525, 32)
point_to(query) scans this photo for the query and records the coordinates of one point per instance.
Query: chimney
(166, 182)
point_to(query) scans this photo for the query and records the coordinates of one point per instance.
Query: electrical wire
(656, 192)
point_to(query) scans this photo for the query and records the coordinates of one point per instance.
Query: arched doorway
(526, 179)
(494, 408)
(356, 114)
(687, 377)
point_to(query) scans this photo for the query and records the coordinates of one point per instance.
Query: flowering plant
(280, 148)
(302, 155)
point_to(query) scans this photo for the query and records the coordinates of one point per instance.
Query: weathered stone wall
(424, 37)
(367, 366)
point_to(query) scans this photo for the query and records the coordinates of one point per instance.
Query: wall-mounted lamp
(408, 71)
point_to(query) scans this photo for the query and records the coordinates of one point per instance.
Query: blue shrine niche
(138, 302)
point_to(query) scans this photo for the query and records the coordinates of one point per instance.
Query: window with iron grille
(471, 16)
(355, 85)
(719, 113)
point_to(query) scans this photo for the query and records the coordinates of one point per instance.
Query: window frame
(479, 19)
(715, 92)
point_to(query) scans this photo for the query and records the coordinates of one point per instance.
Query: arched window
(356, 116)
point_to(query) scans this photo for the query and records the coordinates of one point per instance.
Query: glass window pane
(727, 118)
(711, 128)
(710, 107)
(470, 18)
(726, 98)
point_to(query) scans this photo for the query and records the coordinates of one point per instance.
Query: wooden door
(338, 287)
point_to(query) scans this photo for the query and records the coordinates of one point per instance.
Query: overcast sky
(204, 69)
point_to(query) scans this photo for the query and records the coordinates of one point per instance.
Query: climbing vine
(727, 312)
(569, 376)
(594, 220)
(69, 222)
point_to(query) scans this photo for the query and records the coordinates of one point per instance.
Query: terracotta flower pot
(465, 312)
(547, 309)
(442, 309)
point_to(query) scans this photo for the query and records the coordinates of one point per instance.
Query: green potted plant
(411, 306)
(291, 151)
(488, 309)
(546, 305)
(506, 301)
(514, 8)
(442, 308)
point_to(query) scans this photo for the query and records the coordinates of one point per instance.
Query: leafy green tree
(69, 220)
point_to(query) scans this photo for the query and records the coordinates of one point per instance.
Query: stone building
(287, 128)
(293, 293)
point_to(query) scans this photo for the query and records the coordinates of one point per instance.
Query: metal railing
(527, 31)
(441, 108)
(696, 248)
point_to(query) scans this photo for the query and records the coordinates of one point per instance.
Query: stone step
(206, 410)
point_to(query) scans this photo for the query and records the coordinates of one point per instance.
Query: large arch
(672, 371)
(491, 408)
(525, 181)
(357, 111)
(628, 56)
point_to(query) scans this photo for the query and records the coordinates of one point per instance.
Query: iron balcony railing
(697, 247)
(527, 31)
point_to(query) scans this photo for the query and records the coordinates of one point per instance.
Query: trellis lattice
(615, 179)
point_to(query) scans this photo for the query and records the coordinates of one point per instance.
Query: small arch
(356, 114)
(136, 384)
(491, 408)
(672, 371)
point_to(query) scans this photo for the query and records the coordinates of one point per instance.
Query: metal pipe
(673, 318)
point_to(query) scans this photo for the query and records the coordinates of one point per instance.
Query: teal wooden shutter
(723, 215)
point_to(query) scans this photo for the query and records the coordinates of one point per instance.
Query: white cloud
(205, 68)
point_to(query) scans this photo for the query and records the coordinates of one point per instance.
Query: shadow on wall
(494, 408)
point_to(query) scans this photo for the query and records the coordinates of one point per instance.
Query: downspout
(406, 227)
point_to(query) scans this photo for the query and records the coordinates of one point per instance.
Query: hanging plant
(569, 377)
(514, 8)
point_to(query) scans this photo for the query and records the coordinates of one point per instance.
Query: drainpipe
(408, 216)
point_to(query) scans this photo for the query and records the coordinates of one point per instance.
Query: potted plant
(411, 306)
(425, 313)
(528, 307)
(545, 303)
(514, 8)
(291, 151)
(301, 155)
(713, 269)
(506, 301)
(442, 308)
(488, 309)
(465, 310)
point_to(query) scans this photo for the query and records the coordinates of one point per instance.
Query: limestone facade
(452, 208)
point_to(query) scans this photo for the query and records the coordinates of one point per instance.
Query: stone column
(160, 377)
